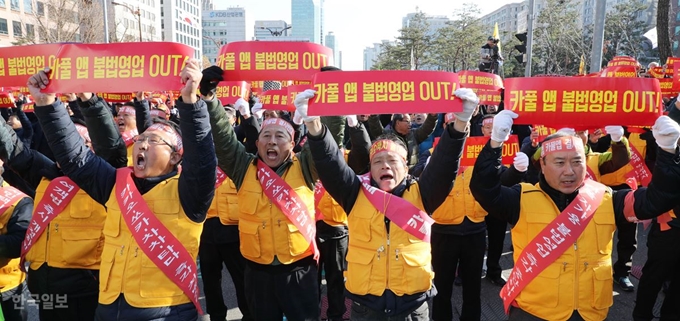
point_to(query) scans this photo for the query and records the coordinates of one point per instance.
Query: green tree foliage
(623, 30)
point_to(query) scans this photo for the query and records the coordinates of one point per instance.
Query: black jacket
(344, 186)
(504, 202)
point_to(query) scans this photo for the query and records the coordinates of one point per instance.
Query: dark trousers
(625, 247)
(495, 230)
(14, 305)
(212, 257)
(273, 291)
(77, 309)
(333, 250)
(121, 310)
(663, 263)
(364, 313)
(517, 314)
(79, 288)
(467, 253)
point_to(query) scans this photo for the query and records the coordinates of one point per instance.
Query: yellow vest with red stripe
(11, 275)
(593, 162)
(264, 231)
(74, 239)
(126, 270)
(333, 214)
(460, 203)
(378, 261)
(225, 203)
(129, 155)
(581, 278)
(619, 176)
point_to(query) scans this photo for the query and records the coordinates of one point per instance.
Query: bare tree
(662, 29)
(55, 21)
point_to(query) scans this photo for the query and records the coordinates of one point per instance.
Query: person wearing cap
(490, 53)
(276, 231)
(155, 213)
(388, 273)
(401, 127)
(65, 266)
(563, 226)
(458, 240)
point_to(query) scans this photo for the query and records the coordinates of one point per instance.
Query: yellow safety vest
(378, 261)
(264, 231)
(581, 278)
(333, 214)
(74, 239)
(225, 203)
(125, 269)
(619, 176)
(11, 275)
(460, 203)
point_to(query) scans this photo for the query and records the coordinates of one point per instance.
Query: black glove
(211, 77)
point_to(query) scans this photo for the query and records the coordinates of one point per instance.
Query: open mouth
(386, 177)
(121, 126)
(140, 162)
(272, 154)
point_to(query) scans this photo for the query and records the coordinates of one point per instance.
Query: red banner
(566, 101)
(487, 86)
(117, 97)
(5, 102)
(119, 67)
(544, 132)
(267, 60)
(620, 71)
(474, 145)
(276, 99)
(384, 92)
(293, 90)
(623, 61)
(228, 92)
(666, 85)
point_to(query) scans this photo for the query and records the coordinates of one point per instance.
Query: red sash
(402, 213)
(59, 193)
(128, 136)
(319, 190)
(8, 196)
(171, 256)
(590, 174)
(662, 219)
(640, 170)
(553, 240)
(220, 177)
(281, 194)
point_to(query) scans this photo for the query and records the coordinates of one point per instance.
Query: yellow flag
(497, 36)
(582, 66)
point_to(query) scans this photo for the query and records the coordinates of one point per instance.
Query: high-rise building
(507, 18)
(371, 54)
(322, 18)
(271, 29)
(434, 22)
(306, 19)
(207, 5)
(221, 27)
(181, 23)
(129, 15)
(332, 43)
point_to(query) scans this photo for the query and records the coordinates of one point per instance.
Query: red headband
(487, 121)
(561, 144)
(385, 145)
(175, 138)
(127, 109)
(279, 122)
(158, 113)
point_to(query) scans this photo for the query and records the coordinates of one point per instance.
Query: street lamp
(135, 12)
(277, 33)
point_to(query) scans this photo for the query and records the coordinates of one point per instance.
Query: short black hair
(330, 68)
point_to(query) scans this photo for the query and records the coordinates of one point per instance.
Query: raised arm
(29, 164)
(91, 173)
(375, 127)
(142, 112)
(424, 131)
(106, 139)
(358, 158)
(26, 125)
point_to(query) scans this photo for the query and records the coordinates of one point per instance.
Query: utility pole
(137, 12)
(598, 36)
(106, 21)
(530, 38)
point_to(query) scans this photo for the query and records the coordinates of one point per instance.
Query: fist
(38, 82)
(521, 162)
(502, 124)
(616, 132)
(191, 77)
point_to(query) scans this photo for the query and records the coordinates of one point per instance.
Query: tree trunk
(662, 30)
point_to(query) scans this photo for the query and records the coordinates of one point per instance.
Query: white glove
(242, 107)
(297, 119)
(470, 102)
(352, 121)
(502, 124)
(521, 162)
(257, 108)
(666, 132)
(567, 130)
(616, 132)
(301, 104)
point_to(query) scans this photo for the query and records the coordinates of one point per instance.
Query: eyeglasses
(152, 139)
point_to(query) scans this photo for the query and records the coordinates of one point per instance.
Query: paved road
(492, 307)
